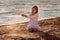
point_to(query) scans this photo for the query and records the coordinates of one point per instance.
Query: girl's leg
(38, 27)
(34, 27)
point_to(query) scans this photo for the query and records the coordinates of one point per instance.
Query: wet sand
(50, 28)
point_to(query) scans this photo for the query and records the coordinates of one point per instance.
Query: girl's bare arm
(24, 15)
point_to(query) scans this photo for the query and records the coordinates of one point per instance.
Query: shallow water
(10, 10)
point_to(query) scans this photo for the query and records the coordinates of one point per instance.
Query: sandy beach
(18, 31)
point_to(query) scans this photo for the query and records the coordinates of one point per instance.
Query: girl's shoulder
(33, 14)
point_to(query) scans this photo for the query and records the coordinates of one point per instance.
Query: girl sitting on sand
(33, 22)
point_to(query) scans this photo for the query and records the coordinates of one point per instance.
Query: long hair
(35, 8)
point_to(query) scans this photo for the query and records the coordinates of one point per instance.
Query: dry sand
(50, 28)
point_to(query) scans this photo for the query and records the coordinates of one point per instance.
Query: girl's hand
(22, 14)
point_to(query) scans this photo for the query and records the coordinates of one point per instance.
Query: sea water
(10, 11)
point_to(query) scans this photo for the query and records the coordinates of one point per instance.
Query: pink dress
(33, 22)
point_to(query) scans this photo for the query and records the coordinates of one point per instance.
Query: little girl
(33, 22)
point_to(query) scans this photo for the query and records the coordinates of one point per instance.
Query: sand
(50, 28)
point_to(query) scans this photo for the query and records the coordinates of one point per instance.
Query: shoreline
(18, 30)
(27, 20)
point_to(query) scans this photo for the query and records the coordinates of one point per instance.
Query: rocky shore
(50, 27)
